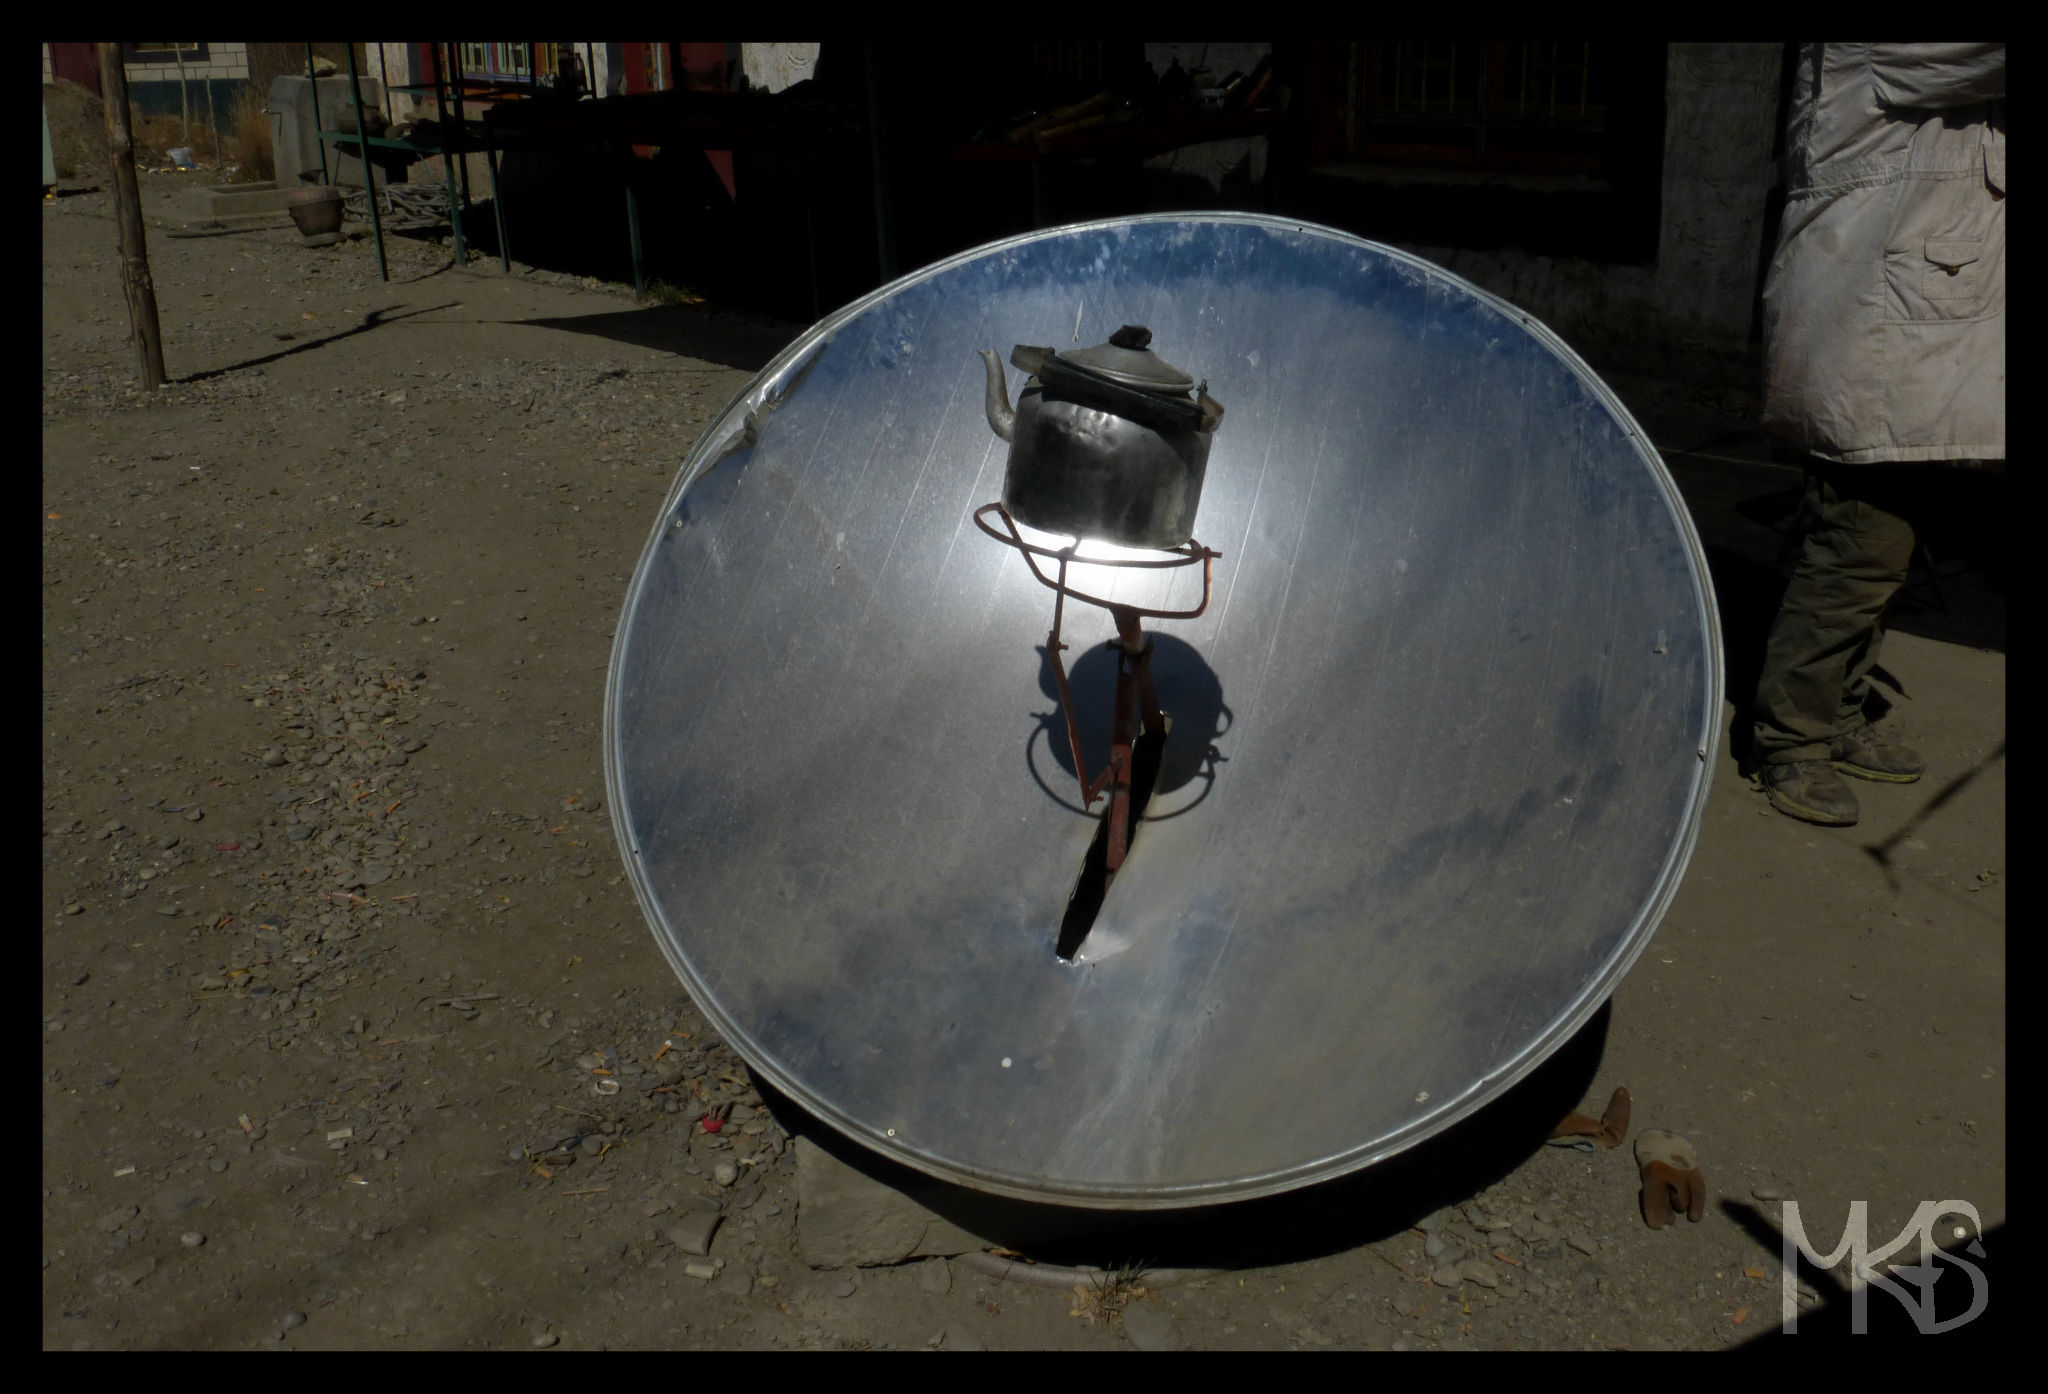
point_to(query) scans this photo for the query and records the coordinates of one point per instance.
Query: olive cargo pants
(1855, 548)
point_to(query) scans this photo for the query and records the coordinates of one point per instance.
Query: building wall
(221, 61)
(774, 67)
(1690, 312)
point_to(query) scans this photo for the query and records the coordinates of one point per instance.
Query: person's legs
(1826, 639)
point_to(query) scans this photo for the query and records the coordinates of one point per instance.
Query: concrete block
(692, 1231)
(847, 1219)
(206, 202)
(294, 139)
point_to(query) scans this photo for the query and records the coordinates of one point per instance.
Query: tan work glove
(1671, 1178)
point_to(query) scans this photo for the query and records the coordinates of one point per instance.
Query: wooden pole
(184, 94)
(136, 285)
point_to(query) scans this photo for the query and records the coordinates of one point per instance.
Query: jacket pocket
(1950, 272)
(1946, 278)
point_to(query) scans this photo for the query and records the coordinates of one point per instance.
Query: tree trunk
(136, 285)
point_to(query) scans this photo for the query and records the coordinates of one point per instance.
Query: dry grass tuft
(248, 143)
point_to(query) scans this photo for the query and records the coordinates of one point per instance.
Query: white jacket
(1884, 305)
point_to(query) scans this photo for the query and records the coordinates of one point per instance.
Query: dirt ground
(340, 972)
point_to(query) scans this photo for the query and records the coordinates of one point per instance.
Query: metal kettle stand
(1137, 700)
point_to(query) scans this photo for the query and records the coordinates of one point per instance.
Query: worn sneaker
(1866, 754)
(1809, 790)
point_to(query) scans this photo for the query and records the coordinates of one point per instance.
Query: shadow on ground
(1313, 1222)
(708, 335)
(372, 319)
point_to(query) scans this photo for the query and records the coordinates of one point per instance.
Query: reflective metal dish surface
(1440, 743)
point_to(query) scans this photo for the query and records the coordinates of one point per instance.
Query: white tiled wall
(222, 60)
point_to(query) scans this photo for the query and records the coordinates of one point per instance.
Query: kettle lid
(1125, 359)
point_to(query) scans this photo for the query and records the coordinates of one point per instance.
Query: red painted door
(666, 67)
(78, 63)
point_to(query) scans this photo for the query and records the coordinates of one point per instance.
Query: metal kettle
(1105, 443)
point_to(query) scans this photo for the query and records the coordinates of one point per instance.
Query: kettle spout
(1002, 419)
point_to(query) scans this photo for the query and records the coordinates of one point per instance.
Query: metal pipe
(355, 87)
(449, 147)
(633, 230)
(497, 198)
(313, 85)
(462, 141)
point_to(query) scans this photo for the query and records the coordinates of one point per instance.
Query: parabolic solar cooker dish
(1439, 741)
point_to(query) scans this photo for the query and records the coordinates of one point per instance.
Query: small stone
(935, 1276)
(218, 1164)
(1475, 1270)
(843, 1288)
(293, 1320)
(1767, 1192)
(193, 815)
(737, 1283)
(545, 1340)
(1148, 1326)
(1445, 1277)
(1434, 1246)
(725, 1173)
(191, 1239)
(381, 1153)
(1582, 1243)
(702, 1269)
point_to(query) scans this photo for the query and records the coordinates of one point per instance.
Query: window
(506, 62)
(1527, 106)
(1553, 147)
(163, 53)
